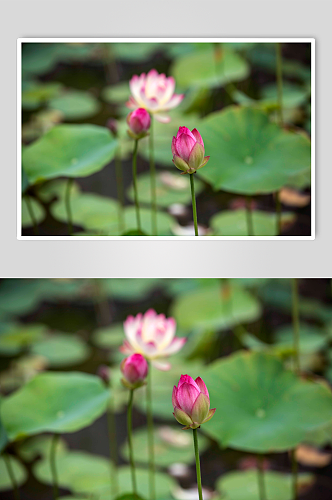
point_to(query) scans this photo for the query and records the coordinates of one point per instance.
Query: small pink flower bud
(103, 372)
(188, 151)
(112, 124)
(139, 123)
(134, 369)
(191, 402)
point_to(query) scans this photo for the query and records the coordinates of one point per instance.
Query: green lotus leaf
(261, 406)
(244, 485)
(249, 154)
(129, 289)
(109, 337)
(75, 104)
(36, 94)
(61, 349)
(69, 150)
(171, 445)
(19, 473)
(118, 93)
(39, 446)
(15, 337)
(201, 69)
(311, 339)
(206, 308)
(234, 223)
(54, 402)
(134, 52)
(292, 95)
(56, 189)
(170, 188)
(36, 208)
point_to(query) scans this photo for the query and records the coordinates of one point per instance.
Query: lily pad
(203, 308)
(118, 93)
(64, 402)
(83, 472)
(129, 289)
(39, 446)
(244, 485)
(14, 337)
(56, 189)
(201, 69)
(165, 221)
(171, 445)
(261, 406)
(234, 223)
(61, 350)
(312, 339)
(69, 150)
(249, 154)
(134, 52)
(19, 473)
(37, 94)
(170, 188)
(109, 337)
(75, 105)
(292, 95)
(89, 210)
(36, 208)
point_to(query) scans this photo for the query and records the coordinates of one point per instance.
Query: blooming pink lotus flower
(152, 335)
(191, 402)
(155, 93)
(188, 150)
(134, 369)
(139, 122)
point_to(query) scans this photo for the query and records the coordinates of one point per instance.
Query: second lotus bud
(134, 370)
(188, 150)
(139, 122)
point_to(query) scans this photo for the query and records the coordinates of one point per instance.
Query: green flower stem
(12, 476)
(150, 435)
(138, 219)
(198, 465)
(193, 199)
(294, 474)
(261, 479)
(280, 118)
(68, 207)
(278, 212)
(130, 440)
(113, 448)
(53, 466)
(120, 191)
(250, 225)
(31, 213)
(296, 324)
(153, 182)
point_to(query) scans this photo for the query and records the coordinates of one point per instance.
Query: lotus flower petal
(182, 417)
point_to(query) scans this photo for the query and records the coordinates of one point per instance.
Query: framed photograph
(166, 138)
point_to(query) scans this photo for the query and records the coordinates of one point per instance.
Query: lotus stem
(296, 324)
(250, 225)
(11, 476)
(261, 478)
(111, 423)
(193, 199)
(198, 465)
(150, 435)
(294, 473)
(53, 466)
(153, 182)
(119, 189)
(130, 440)
(31, 213)
(68, 207)
(138, 219)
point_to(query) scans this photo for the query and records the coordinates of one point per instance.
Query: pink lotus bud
(154, 92)
(103, 372)
(134, 369)
(188, 150)
(191, 402)
(139, 123)
(152, 335)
